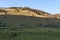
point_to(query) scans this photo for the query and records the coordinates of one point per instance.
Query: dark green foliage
(54, 23)
(14, 34)
(2, 24)
(25, 21)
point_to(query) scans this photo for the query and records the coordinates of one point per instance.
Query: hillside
(25, 11)
(23, 23)
(27, 17)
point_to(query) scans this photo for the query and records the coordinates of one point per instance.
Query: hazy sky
(51, 6)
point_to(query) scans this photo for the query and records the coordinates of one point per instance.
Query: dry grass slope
(26, 11)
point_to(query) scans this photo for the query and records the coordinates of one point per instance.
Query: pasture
(24, 33)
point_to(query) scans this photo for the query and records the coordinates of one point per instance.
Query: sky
(50, 6)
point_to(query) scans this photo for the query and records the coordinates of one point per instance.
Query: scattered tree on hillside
(4, 11)
(16, 9)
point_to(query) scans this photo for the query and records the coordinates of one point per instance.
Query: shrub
(2, 24)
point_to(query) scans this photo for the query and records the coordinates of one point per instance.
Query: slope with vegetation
(26, 11)
(24, 23)
(28, 17)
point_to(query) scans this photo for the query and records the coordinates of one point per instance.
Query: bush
(2, 24)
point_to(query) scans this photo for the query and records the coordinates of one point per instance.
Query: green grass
(18, 33)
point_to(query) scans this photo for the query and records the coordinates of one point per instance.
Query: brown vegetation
(27, 11)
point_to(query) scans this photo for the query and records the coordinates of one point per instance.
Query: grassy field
(18, 33)
(29, 28)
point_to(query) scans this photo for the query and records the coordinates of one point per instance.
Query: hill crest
(26, 11)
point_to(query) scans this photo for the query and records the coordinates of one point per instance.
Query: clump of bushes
(2, 24)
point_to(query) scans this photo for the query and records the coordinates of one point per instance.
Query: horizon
(50, 6)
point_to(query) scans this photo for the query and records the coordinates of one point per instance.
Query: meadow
(24, 33)
(29, 28)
